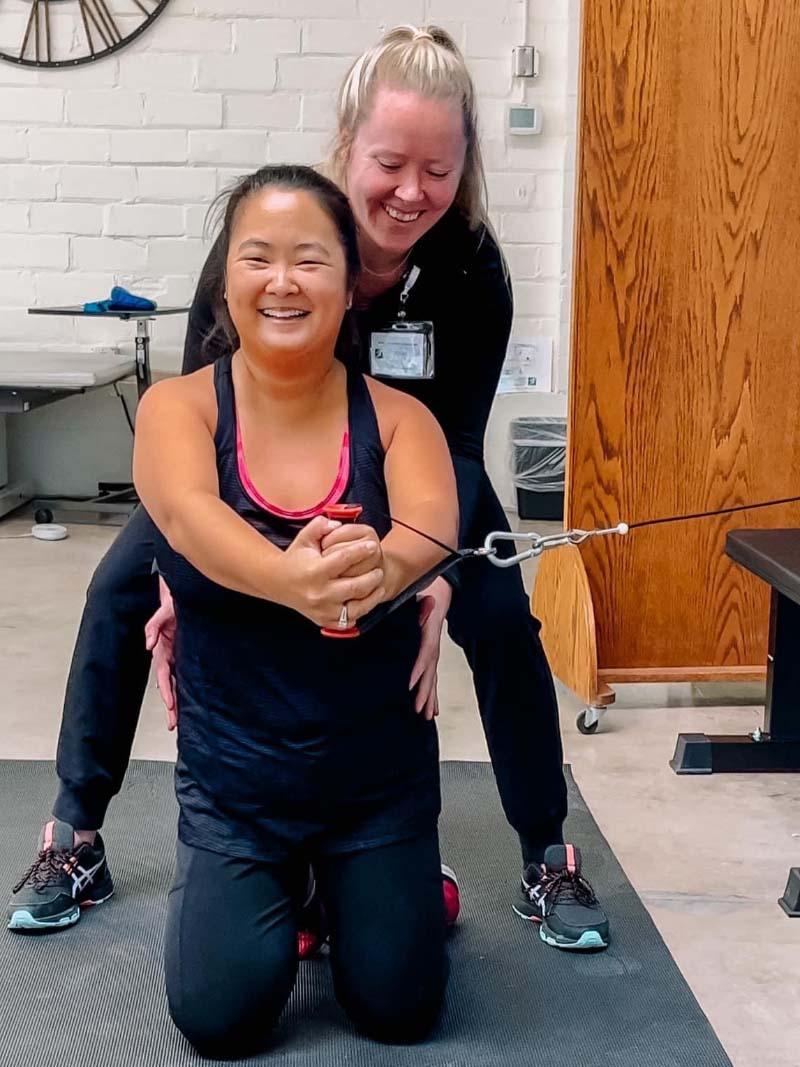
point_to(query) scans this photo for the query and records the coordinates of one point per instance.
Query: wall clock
(65, 33)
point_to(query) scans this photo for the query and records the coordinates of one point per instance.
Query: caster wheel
(43, 515)
(585, 727)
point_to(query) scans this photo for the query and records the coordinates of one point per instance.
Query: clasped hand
(328, 566)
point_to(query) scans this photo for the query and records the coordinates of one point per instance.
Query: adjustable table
(114, 501)
(774, 556)
(143, 320)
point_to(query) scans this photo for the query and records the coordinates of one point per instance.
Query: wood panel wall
(685, 382)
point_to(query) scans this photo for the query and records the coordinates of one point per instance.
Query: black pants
(489, 618)
(231, 943)
(107, 678)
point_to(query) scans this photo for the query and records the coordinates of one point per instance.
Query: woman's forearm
(222, 546)
(408, 555)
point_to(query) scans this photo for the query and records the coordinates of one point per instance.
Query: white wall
(107, 171)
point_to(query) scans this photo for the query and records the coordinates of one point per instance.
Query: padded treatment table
(29, 380)
(774, 556)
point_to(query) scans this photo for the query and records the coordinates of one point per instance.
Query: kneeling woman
(294, 747)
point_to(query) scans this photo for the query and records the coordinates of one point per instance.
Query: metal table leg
(776, 747)
(143, 376)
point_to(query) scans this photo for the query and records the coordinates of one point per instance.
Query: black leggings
(231, 943)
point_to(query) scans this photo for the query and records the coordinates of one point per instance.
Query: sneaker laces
(48, 865)
(569, 885)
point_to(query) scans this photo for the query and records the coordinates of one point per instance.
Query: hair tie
(422, 35)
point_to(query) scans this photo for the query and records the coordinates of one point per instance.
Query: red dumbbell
(341, 513)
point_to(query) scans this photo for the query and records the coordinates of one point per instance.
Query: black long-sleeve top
(464, 291)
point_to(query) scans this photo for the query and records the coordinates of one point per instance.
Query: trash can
(538, 460)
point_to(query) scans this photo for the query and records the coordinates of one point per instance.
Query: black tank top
(288, 739)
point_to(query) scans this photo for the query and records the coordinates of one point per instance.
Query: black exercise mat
(93, 995)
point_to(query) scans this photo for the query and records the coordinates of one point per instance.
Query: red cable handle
(341, 513)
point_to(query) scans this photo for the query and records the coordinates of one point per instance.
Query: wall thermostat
(524, 119)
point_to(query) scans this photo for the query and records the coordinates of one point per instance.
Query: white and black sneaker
(64, 878)
(557, 896)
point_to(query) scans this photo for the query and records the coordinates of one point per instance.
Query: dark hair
(222, 215)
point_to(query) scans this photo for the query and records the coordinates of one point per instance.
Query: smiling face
(286, 274)
(404, 168)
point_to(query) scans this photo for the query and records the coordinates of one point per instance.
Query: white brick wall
(106, 170)
(184, 109)
(122, 107)
(53, 217)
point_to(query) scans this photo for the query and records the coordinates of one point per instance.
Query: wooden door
(685, 394)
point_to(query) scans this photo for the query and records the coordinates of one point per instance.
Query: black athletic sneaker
(556, 895)
(63, 879)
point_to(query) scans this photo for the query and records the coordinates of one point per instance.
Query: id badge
(402, 350)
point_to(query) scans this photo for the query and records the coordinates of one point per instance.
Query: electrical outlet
(525, 61)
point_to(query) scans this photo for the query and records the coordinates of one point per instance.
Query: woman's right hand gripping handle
(318, 584)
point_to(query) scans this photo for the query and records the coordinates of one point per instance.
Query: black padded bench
(774, 556)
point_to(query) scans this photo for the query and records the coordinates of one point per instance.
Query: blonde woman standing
(432, 316)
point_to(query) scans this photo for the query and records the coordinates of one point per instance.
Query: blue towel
(120, 300)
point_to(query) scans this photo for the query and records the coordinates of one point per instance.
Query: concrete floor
(709, 856)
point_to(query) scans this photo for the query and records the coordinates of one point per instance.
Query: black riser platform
(704, 754)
